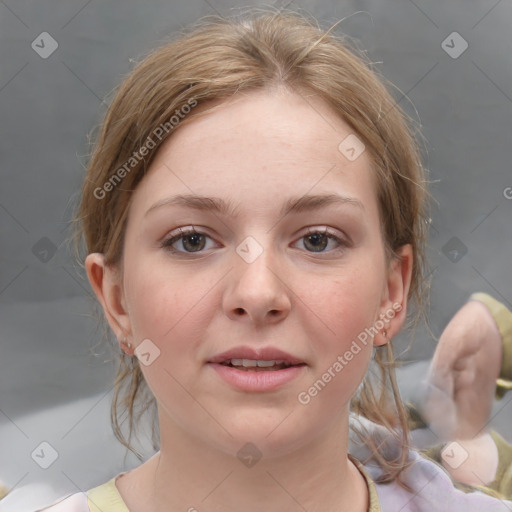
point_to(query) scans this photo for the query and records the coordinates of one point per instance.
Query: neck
(189, 474)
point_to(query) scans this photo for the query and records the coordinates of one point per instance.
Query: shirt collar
(374, 504)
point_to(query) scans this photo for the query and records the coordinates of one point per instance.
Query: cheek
(170, 313)
(164, 305)
(173, 312)
(348, 303)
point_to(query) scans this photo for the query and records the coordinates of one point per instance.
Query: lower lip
(248, 380)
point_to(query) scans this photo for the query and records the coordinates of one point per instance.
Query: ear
(393, 308)
(106, 283)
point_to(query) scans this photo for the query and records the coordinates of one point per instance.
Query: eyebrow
(218, 205)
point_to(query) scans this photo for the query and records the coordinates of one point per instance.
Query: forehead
(263, 145)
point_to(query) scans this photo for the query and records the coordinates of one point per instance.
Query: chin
(265, 439)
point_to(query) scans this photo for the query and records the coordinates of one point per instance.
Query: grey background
(51, 383)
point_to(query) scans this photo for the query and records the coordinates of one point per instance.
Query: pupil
(196, 242)
(315, 239)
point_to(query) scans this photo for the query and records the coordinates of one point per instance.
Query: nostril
(239, 311)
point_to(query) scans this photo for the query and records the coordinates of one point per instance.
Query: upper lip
(261, 354)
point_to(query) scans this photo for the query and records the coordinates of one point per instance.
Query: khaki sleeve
(503, 318)
(503, 481)
(3, 491)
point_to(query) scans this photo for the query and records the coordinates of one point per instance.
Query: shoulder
(74, 503)
(103, 498)
(38, 497)
(432, 490)
(430, 487)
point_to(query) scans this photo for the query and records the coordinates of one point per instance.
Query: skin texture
(256, 151)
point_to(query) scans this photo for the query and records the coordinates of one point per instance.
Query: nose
(257, 292)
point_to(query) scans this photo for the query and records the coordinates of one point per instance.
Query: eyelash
(183, 233)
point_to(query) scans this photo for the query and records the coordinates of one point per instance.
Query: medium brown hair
(205, 65)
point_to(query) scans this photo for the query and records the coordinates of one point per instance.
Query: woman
(254, 214)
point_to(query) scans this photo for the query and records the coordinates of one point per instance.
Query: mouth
(259, 365)
(247, 358)
(257, 370)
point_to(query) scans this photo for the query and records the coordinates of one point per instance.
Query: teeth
(266, 364)
(251, 363)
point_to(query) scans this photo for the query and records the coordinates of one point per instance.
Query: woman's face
(253, 179)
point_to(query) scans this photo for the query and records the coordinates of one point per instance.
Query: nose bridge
(257, 288)
(257, 264)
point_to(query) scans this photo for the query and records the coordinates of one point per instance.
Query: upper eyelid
(190, 230)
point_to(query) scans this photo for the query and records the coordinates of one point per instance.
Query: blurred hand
(461, 381)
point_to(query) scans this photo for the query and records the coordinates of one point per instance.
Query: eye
(316, 240)
(189, 240)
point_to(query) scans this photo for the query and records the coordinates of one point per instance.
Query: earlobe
(107, 287)
(394, 301)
